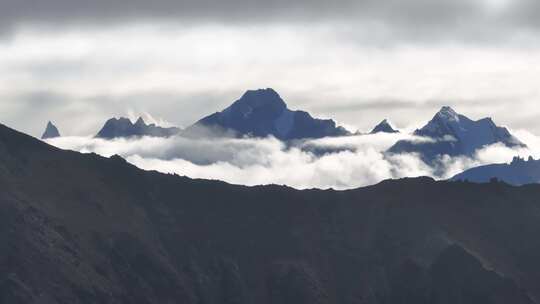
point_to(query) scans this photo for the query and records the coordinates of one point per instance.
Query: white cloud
(79, 77)
(360, 160)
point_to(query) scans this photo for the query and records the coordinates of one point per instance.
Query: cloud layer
(79, 63)
(81, 78)
(412, 18)
(356, 160)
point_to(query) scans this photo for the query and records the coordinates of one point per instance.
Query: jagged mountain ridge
(123, 127)
(51, 131)
(518, 172)
(262, 113)
(454, 134)
(111, 233)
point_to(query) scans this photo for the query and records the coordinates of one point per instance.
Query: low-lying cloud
(339, 163)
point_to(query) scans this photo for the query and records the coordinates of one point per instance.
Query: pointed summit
(263, 113)
(455, 134)
(51, 131)
(262, 97)
(445, 122)
(384, 127)
(140, 122)
(447, 113)
(263, 101)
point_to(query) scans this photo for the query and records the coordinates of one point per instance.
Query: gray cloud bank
(251, 161)
(241, 10)
(462, 19)
(182, 60)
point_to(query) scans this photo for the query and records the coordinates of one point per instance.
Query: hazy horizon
(358, 62)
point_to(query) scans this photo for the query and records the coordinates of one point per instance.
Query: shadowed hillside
(86, 229)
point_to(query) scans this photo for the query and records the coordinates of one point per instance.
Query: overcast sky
(79, 62)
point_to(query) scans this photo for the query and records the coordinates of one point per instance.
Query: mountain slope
(518, 172)
(123, 127)
(86, 229)
(454, 134)
(263, 113)
(383, 127)
(51, 131)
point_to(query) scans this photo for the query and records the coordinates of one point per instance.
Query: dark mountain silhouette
(123, 127)
(51, 131)
(518, 172)
(454, 134)
(262, 113)
(383, 127)
(80, 228)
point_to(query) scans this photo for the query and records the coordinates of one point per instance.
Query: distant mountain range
(453, 134)
(258, 113)
(80, 228)
(262, 113)
(518, 172)
(51, 131)
(123, 127)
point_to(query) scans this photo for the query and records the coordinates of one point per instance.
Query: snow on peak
(448, 114)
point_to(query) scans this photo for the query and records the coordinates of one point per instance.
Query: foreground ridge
(102, 231)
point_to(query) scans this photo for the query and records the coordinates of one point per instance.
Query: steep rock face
(123, 127)
(51, 131)
(453, 134)
(518, 172)
(111, 233)
(383, 127)
(263, 113)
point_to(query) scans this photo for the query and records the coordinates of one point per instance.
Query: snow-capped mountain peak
(448, 114)
(467, 135)
(262, 113)
(266, 100)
